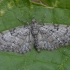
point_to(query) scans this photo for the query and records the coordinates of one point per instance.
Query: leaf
(56, 11)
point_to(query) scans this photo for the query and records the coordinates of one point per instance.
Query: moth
(21, 39)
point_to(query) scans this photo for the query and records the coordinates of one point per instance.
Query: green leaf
(56, 11)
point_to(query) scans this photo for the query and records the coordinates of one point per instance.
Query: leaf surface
(51, 11)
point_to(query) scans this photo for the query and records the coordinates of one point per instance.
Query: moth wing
(52, 36)
(18, 39)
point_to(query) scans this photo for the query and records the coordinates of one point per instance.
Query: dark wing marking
(52, 36)
(18, 39)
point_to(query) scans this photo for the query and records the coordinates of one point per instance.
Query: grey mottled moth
(48, 36)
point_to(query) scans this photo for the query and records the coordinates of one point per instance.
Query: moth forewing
(18, 39)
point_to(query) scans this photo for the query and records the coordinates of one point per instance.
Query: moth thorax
(34, 29)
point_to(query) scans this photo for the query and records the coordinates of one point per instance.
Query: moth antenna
(20, 20)
(42, 19)
(27, 23)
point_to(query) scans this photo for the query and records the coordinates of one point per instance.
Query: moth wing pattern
(18, 39)
(52, 36)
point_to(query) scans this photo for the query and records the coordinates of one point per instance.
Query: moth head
(33, 20)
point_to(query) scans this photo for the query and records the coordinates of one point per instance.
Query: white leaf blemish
(2, 12)
(10, 5)
(1, 1)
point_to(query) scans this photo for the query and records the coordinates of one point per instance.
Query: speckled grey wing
(18, 39)
(52, 36)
